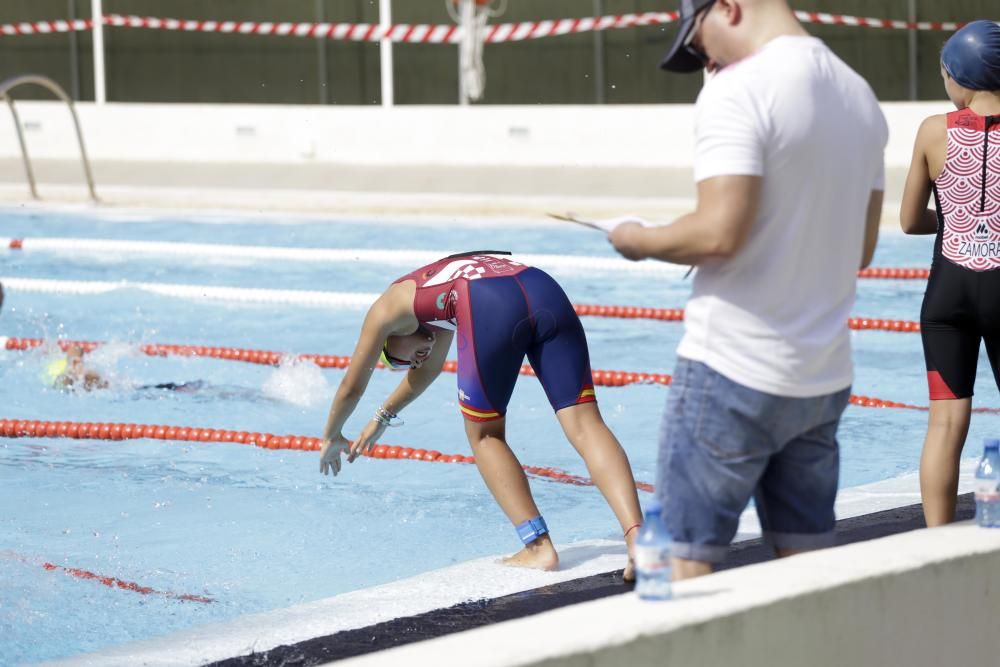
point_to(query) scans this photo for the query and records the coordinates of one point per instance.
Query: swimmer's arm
(380, 322)
(914, 216)
(719, 227)
(92, 380)
(417, 380)
(872, 222)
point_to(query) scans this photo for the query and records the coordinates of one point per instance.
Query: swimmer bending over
(500, 310)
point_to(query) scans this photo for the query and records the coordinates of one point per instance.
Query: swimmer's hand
(329, 454)
(372, 431)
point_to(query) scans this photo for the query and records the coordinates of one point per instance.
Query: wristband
(386, 418)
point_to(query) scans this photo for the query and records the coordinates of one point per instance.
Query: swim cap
(972, 56)
(54, 370)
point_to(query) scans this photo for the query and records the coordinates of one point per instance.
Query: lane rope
(434, 34)
(355, 300)
(32, 428)
(127, 248)
(110, 582)
(602, 378)
(409, 258)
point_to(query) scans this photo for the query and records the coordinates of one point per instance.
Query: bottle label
(986, 490)
(652, 559)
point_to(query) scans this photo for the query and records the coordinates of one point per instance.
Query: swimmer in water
(70, 372)
(500, 311)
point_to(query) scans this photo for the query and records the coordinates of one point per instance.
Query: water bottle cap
(653, 508)
(991, 443)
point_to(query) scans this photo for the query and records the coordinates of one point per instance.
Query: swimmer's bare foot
(539, 555)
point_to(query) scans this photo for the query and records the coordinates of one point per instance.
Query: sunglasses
(689, 44)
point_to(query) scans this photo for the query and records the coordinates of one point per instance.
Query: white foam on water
(298, 382)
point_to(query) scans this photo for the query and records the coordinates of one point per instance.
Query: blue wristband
(532, 529)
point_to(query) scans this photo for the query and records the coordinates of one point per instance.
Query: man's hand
(329, 454)
(625, 239)
(372, 431)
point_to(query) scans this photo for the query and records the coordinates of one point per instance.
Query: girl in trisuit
(957, 158)
(499, 310)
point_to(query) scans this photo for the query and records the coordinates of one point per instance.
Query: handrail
(53, 87)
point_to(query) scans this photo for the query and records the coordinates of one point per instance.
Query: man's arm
(872, 222)
(719, 227)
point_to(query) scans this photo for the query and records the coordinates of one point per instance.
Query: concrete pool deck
(331, 190)
(472, 595)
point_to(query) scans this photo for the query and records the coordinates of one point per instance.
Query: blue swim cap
(972, 56)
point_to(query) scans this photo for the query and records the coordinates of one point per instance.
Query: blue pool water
(256, 529)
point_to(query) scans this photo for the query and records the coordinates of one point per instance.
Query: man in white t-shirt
(789, 171)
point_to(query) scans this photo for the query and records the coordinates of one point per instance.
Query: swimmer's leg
(608, 466)
(506, 480)
(947, 427)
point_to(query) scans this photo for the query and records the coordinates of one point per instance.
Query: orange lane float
(602, 378)
(114, 582)
(110, 582)
(29, 428)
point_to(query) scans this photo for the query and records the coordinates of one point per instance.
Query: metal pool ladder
(55, 89)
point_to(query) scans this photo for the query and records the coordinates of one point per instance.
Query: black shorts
(961, 307)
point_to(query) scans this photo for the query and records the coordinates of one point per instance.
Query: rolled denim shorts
(722, 443)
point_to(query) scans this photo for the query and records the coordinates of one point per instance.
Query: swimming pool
(252, 529)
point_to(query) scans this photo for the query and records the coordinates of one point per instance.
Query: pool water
(255, 529)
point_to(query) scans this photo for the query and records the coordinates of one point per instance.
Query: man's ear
(733, 10)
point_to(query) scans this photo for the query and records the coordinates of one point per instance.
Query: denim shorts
(722, 443)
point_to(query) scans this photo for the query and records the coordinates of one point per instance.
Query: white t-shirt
(773, 317)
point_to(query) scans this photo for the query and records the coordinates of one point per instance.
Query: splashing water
(298, 382)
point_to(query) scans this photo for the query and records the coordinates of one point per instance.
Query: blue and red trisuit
(502, 311)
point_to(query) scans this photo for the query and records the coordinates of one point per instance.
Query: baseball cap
(680, 58)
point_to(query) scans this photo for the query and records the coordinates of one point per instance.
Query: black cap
(678, 58)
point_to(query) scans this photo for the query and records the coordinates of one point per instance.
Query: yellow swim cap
(54, 370)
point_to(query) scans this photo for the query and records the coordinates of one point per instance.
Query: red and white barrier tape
(356, 299)
(602, 378)
(126, 249)
(434, 34)
(45, 27)
(31, 428)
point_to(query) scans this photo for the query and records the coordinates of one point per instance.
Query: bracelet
(386, 418)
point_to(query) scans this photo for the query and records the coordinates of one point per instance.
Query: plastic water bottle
(652, 556)
(988, 486)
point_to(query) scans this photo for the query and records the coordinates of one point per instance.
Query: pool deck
(329, 189)
(481, 613)
(473, 594)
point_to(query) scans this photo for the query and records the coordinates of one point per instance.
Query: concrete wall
(927, 598)
(647, 135)
(610, 151)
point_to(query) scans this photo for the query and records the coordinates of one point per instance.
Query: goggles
(391, 362)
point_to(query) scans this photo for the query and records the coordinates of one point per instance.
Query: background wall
(617, 67)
